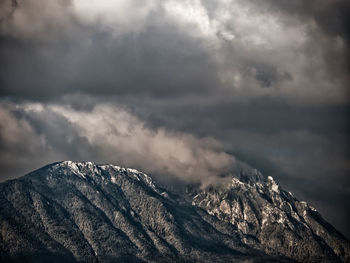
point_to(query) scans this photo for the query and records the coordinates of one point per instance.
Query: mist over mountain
(84, 212)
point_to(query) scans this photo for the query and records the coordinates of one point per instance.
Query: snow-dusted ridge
(248, 180)
(83, 169)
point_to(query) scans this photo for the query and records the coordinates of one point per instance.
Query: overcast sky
(182, 88)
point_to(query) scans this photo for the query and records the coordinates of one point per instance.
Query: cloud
(243, 50)
(117, 16)
(23, 20)
(108, 134)
(19, 144)
(122, 136)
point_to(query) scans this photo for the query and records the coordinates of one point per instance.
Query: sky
(182, 89)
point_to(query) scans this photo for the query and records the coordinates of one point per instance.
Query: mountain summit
(84, 212)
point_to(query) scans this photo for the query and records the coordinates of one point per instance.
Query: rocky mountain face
(83, 212)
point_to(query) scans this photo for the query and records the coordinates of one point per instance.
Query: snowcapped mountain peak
(105, 173)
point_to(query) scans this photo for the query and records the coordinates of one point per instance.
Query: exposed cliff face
(279, 224)
(100, 213)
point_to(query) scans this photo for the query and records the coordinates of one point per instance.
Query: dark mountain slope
(82, 212)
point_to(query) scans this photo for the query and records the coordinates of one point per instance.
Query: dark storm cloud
(166, 57)
(194, 83)
(106, 67)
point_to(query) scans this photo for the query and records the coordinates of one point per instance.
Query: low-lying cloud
(108, 134)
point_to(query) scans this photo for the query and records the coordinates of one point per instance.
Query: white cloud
(192, 15)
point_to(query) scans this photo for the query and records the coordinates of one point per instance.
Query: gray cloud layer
(174, 87)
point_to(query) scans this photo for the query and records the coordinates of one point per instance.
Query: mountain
(84, 212)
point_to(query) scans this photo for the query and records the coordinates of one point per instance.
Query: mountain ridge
(84, 212)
